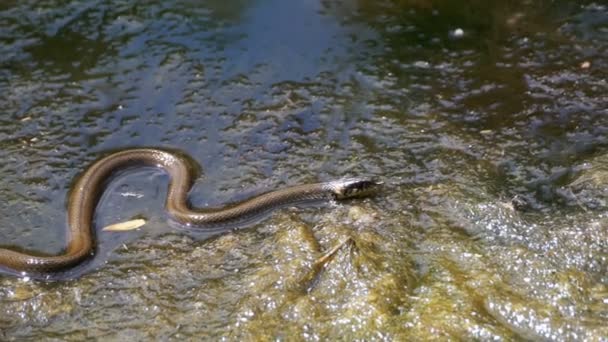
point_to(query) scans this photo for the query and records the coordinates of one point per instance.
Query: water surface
(488, 122)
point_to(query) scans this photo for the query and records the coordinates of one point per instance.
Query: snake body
(89, 187)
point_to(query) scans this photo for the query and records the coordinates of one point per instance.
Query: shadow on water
(487, 121)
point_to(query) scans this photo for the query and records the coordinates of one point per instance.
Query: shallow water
(488, 122)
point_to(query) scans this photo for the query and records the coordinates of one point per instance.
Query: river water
(487, 121)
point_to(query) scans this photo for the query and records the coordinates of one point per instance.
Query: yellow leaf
(124, 226)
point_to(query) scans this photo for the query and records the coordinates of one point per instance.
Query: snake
(88, 188)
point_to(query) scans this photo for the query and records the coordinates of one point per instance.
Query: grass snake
(88, 189)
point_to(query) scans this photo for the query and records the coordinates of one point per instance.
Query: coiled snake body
(86, 192)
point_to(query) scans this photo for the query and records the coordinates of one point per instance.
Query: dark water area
(488, 122)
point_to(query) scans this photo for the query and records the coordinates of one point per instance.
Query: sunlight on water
(486, 121)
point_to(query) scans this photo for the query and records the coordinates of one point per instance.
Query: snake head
(354, 187)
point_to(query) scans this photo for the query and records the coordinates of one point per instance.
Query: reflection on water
(487, 122)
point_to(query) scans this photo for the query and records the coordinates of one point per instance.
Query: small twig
(329, 255)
